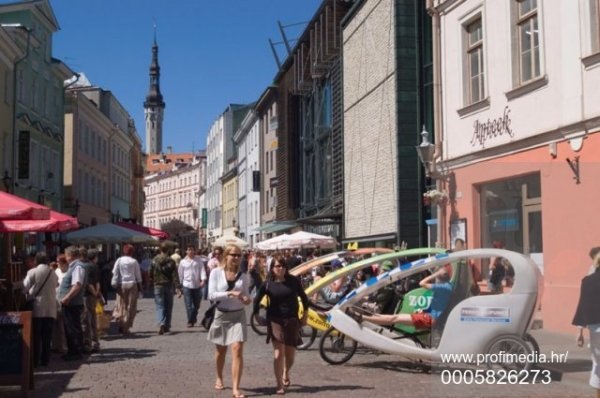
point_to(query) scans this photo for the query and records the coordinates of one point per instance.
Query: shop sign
(491, 128)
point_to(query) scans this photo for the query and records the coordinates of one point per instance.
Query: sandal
(238, 395)
(219, 386)
(286, 382)
(280, 391)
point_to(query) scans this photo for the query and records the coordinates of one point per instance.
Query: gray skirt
(228, 328)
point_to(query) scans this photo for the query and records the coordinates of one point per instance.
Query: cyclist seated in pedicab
(442, 290)
(333, 292)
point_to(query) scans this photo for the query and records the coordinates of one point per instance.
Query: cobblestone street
(180, 364)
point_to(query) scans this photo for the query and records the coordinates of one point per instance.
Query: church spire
(154, 105)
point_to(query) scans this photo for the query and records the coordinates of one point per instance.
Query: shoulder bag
(31, 298)
(209, 314)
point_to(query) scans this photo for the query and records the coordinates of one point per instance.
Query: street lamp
(426, 151)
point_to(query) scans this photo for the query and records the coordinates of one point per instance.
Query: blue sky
(211, 53)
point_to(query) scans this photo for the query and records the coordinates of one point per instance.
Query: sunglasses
(278, 266)
(235, 255)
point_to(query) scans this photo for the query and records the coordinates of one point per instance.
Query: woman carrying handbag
(228, 287)
(41, 283)
(282, 290)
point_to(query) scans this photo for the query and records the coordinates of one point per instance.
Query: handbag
(30, 299)
(209, 314)
(115, 281)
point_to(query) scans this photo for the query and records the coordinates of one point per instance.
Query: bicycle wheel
(308, 334)
(336, 348)
(261, 330)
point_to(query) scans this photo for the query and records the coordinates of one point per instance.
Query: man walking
(70, 295)
(192, 276)
(163, 273)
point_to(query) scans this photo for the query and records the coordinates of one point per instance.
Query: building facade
(173, 199)
(310, 155)
(219, 152)
(10, 54)
(37, 136)
(386, 100)
(519, 142)
(266, 108)
(87, 160)
(230, 200)
(247, 141)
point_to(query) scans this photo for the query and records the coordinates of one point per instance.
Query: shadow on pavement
(300, 389)
(397, 366)
(120, 354)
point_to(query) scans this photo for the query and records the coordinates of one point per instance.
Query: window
(474, 62)
(528, 45)
(595, 25)
(267, 161)
(7, 91)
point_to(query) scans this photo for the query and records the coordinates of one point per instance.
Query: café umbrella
(227, 240)
(272, 243)
(58, 222)
(108, 234)
(145, 230)
(14, 207)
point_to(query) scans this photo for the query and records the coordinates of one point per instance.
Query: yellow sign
(352, 246)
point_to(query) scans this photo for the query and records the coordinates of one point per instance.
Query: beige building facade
(370, 120)
(9, 54)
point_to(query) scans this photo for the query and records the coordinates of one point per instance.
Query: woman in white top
(40, 284)
(228, 287)
(127, 279)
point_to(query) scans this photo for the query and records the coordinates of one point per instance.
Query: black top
(282, 297)
(587, 309)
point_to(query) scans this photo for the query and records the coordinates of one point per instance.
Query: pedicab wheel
(535, 347)
(261, 330)
(309, 335)
(336, 348)
(503, 350)
(529, 339)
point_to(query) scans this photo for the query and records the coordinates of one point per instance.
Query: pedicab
(304, 272)
(334, 347)
(480, 327)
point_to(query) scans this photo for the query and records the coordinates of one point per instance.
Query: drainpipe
(73, 164)
(437, 108)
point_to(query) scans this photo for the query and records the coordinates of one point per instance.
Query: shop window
(511, 214)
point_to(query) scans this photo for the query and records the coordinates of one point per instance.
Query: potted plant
(435, 197)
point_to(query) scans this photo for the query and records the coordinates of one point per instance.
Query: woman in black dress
(282, 291)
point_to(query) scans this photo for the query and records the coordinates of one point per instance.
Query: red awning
(145, 230)
(58, 222)
(16, 208)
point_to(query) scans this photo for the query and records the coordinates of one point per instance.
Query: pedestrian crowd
(67, 294)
